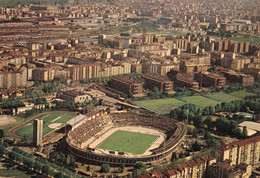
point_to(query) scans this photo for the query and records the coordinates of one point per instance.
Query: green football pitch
(130, 142)
(27, 131)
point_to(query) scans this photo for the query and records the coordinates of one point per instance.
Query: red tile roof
(239, 143)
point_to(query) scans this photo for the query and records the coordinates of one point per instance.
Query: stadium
(126, 137)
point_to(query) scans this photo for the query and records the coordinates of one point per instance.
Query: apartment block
(237, 77)
(195, 168)
(226, 170)
(128, 86)
(13, 76)
(254, 72)
(183, 82)
(207, 79)
(161, 82)
(245, 151)
(87, 71)
(75, 96)
(42, 74)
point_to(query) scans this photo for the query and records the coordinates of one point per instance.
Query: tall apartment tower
(37, 132)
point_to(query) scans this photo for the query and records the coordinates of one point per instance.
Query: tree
(59, 175)
(139, 169)
(195, 133)
(122, 167)
(105, 168)
(181, 155)
(2, 133)
(222, 124)
(174, 156)
(88, 168)
(211, 110)
(67, 162)
(140, 165)
(46, 169)
(3, 151)
(208, 122)
(244, 132)
(19, 158)
(207, 136)
(211, 142)
(38, 166)
(13, 155)
(198, 121)
(196, 146)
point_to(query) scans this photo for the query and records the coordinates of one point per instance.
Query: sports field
(160, 105)
(164, 106)
(222, 97)
(200, 101)
(50, 121)
(130, 142)
(242, 94)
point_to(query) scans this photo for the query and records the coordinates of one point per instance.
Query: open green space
(252, 40)
(242, 94)
(27, 131)
(130, 142)
(200, 101)
(222, 97)
(13, 173)
(163, 106)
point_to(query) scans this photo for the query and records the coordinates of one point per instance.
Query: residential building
(42, 74)
(245, 151)
(161, 82)
(195, 168)
(75, 96)
(226, 170)
(237, 77)
(128, 86)
(207, 79)
(13, 76)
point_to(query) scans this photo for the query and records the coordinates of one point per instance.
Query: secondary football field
(130, 142)
(165, 105)
(50, 122)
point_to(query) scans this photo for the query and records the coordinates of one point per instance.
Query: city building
(75, 96)
(42, 74)
(161, 82)
(244, 151)
(37, 132)
(207, 79)
(237, 77)
(195, 168)
(13, 76)
(226, 170)
(128, 86)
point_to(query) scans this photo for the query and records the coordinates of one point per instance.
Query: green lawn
(130, 142)
(241, 94)
(13, 173)
(200, 101)
(163, 106)
(222, 97)
(27, 130)
(252, 40)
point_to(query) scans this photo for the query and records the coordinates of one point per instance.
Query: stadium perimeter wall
(160, 154)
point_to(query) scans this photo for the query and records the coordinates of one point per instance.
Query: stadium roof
(251, 125)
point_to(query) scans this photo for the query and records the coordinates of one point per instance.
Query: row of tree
(39, 101)
(66, 159)
(37, 164)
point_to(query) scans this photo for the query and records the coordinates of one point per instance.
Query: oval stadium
(126, 137)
